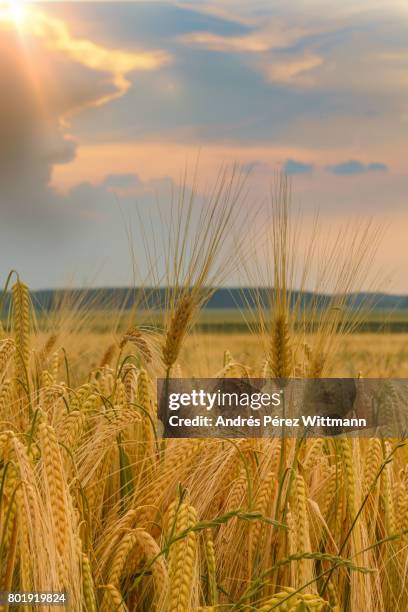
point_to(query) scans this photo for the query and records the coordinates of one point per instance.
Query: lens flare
(14, 12)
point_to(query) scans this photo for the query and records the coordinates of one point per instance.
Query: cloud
(293, 166)
(84, 232)
(47, 75)
(275, 49)
(252, 43)
(294, 69)
(354, 166)
(132, 186)
(301, 44)
(98, 201)
(121, 181)
(57, 37)
(286, 64)
(377, 167)
(277, 34)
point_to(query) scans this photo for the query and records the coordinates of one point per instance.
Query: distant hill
(224, 298)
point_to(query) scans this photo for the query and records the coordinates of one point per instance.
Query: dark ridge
(223, 298)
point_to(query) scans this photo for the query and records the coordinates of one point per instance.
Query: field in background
(366, 354)
(379, 347)
(223, 320)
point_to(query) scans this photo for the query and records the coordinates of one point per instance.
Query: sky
(104, 105)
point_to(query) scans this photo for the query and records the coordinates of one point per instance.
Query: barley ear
(177, 329)
(280, 358)
(21, 324)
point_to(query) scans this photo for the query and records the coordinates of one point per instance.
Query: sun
(14, 12)
(18, 10)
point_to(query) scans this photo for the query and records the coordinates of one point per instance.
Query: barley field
(93, 503)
